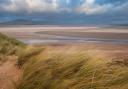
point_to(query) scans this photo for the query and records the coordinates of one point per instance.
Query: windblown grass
(9, 46)
(72, 70)
(64, 69)
(27, 54)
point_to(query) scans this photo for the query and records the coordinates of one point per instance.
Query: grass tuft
(9, 46)
(72, 70)
(26, 54)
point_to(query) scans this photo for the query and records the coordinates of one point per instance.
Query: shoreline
(62, 35)
(53, 35)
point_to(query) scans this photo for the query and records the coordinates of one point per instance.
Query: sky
(66, 11)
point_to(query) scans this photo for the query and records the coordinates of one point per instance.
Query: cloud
(91, 7)
(94, 7)
(42, 5)
(30, 6)
(88, 7)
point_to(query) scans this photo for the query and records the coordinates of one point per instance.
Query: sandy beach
(59, 34)
(98, 42)
(103, 40)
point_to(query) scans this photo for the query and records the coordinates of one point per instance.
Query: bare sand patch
(9, 73)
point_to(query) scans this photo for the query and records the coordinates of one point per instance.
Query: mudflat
(62, 34)
(112, 41)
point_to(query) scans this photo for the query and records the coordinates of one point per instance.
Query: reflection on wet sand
(56, 34)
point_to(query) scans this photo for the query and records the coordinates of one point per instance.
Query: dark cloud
(64, 11)
(111, 1)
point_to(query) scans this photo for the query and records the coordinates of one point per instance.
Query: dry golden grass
(9, 73)
(72, 68)
(66, 67)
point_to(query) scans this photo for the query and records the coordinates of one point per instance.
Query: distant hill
(121, 25)
(19, 22)
(29, 22)
(53, 21)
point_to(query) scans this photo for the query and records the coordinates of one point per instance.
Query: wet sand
(109, 41)
(65, 35)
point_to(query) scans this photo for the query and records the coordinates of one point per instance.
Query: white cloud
(42, 5)
(67, 1)
(90, 7)
(90, 2)
(31, 6)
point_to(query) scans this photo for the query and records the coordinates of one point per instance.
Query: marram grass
(9, 46)
(64, 69)
(72, 70)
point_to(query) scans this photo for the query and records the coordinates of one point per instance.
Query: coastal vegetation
(9, 45)
(44, 67)
(72, 70)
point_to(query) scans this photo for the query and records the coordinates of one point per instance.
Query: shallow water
(67, 39)
(58, 34)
